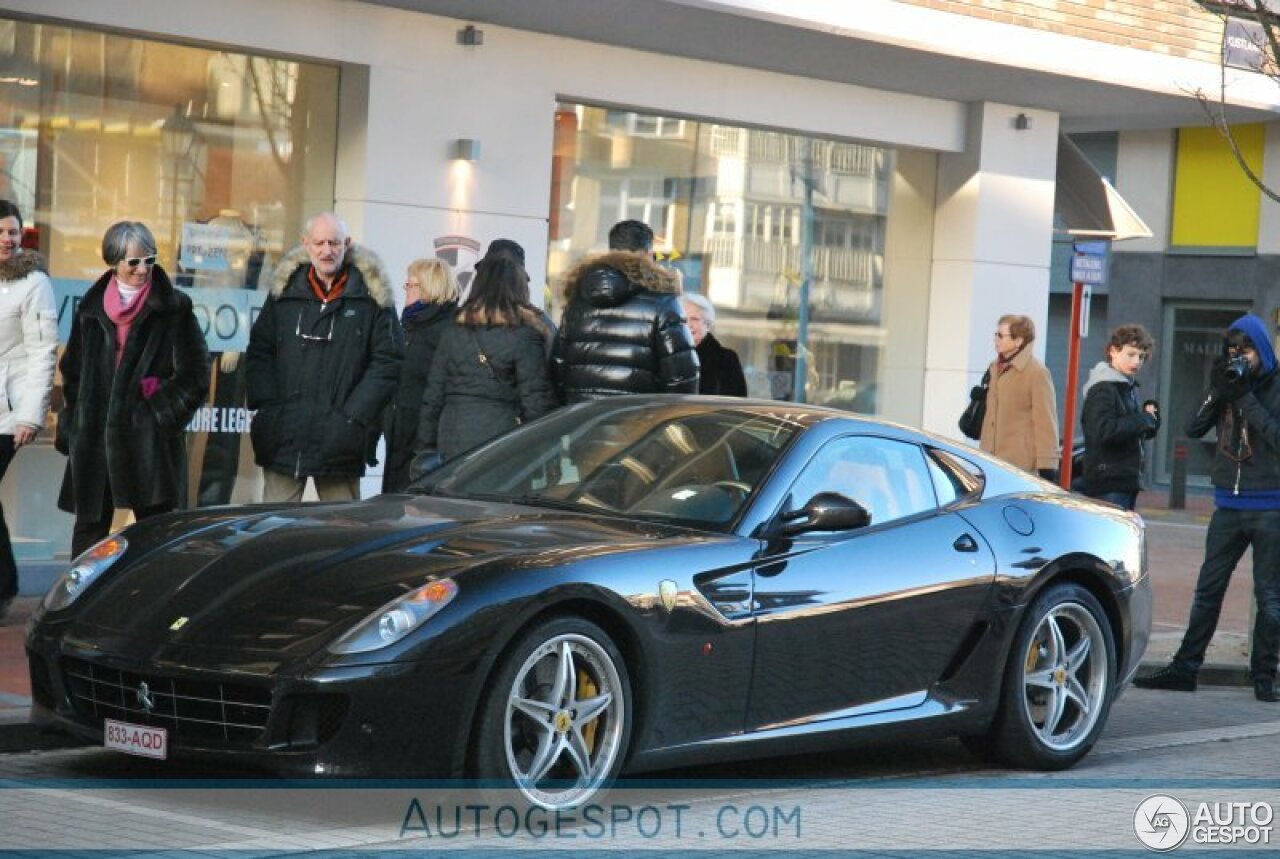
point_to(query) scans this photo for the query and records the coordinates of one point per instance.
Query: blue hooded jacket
(1256, 330)
(1238, 498)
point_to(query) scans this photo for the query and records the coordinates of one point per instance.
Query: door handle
(965, 543)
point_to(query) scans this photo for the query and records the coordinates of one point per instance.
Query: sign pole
(1073, 378)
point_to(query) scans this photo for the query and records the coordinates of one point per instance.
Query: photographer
(1244, 403)
(1115, 426)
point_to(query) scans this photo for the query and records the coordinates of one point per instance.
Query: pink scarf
(121, 314)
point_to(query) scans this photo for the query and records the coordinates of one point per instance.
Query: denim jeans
(1230, 533)
(1127, 500)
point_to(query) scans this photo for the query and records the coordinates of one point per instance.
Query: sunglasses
(320, 338)
(134, 262)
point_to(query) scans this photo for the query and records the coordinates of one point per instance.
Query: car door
(871, 617)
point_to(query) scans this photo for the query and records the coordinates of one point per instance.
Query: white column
(993, 228)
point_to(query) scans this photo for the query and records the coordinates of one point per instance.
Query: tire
(1058, 684)
(556, 719)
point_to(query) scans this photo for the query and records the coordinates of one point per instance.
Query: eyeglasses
(412, 284)
(134, 262)
(319, 338)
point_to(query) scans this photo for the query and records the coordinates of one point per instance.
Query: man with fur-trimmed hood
(323, 361)
(623, 330)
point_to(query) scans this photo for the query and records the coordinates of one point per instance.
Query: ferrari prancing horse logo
(667, 592)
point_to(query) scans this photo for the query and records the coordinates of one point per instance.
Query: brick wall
(1178, 28)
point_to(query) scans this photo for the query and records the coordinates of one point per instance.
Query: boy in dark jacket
(1114, 424)
(1244, 404)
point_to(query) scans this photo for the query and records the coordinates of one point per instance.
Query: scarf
(1003, 363)
(122, 314)
(413, 310)
(335, 289)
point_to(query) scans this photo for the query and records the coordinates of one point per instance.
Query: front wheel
(1058, 684)
(557, 716)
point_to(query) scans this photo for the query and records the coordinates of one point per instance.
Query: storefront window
(221, 154)
(1194, 336)
(755, 220)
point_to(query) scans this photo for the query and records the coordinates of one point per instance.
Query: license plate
(135, 739)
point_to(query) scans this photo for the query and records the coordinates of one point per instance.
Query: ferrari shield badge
(667, 592)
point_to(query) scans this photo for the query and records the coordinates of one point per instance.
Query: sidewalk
(1175, 546)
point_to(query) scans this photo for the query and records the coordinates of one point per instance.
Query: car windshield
(683, 462)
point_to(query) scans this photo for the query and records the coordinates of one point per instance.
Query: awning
(1085, 204)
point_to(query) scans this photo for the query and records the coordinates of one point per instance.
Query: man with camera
(1244, 404)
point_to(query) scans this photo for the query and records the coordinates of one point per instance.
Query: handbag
(971, 421)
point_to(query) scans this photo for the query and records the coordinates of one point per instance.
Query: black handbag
(971, 421)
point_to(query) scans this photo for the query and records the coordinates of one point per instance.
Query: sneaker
(1168, 678)
(1264, 689)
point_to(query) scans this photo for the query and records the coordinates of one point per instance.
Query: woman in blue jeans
(1115, 426)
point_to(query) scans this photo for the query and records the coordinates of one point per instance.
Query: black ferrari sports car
(624, 585)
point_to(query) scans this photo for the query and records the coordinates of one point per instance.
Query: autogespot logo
(1161, 823)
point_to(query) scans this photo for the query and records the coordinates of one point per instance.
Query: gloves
(1221, 388)
(1049, 474)
(1151, 411)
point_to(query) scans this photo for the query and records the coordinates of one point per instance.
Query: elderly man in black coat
(323, 361)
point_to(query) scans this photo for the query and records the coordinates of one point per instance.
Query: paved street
(1215, 745)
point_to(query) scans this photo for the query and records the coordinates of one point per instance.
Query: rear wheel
(557, 719)
(1058, 684)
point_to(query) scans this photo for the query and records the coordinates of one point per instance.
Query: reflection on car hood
(293, 579)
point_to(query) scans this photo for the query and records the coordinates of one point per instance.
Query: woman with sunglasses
(135, 370)
(28, 351)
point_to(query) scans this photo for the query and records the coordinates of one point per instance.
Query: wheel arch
(1091, 574)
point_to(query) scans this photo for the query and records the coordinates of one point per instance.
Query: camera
(1237, 368)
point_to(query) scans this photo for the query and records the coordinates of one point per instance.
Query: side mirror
(826, 511)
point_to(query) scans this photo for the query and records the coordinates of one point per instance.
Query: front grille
(193, 710)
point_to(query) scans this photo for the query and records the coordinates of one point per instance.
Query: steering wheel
(737, 486)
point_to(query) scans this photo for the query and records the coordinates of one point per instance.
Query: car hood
(293, 579)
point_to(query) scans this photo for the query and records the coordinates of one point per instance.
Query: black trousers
(8, 566)
(89, 531)
(1230, 533)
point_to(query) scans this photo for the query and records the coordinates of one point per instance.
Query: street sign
(1087, 268)
(1089, 263)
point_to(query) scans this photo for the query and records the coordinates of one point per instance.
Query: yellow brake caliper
(588, 689)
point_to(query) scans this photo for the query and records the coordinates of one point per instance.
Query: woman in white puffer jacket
(28, 353)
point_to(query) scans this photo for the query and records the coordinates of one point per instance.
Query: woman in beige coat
(1021, 423)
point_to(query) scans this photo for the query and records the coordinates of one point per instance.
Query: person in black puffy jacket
(623, 329)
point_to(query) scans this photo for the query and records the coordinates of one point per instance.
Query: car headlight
(397, 618)
(84, 572)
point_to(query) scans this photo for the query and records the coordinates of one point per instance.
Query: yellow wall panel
(1214, 203)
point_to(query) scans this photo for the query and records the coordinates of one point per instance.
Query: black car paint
(701, 671)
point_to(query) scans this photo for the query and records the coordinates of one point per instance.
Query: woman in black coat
(490, 372)
(430, 303)
(720, 371)
(135, 370)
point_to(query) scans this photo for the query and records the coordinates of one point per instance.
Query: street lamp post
(177, 136)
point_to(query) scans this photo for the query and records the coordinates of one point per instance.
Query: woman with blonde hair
(430, 304)
(1021, 423)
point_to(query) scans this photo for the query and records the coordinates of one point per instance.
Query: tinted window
(889, 478)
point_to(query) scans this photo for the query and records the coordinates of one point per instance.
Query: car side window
(890, 478)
